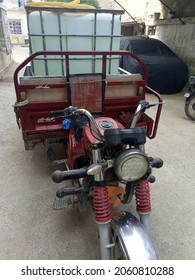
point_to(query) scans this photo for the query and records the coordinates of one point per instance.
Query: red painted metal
(77, 149)
(158, 112)
(34, 118)
(89, 138)
(67, 55)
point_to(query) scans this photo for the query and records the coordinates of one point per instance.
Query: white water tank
(62, 31)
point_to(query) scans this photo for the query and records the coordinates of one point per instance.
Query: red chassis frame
(27, 115)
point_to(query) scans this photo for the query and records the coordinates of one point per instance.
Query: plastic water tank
(52, 31)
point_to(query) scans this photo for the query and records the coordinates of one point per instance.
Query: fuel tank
(103, 123)
(77, 147)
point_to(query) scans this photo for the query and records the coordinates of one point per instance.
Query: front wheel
(190, 108)
(130, 240)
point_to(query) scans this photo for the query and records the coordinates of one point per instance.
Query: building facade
(177, 29)
(17, 21)
(5, 43)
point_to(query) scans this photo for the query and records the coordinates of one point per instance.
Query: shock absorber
(142, 196)
(143, 204)
(101, 203)
(103, 217)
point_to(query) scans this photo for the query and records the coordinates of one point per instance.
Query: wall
(182, 8)
(179, 37)
(5, 60)
(15, 12)
(136, 8)
(5, 45)
(135, 12)
(19, 15)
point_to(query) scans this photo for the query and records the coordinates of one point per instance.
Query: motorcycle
(107, 166)
(190, 100)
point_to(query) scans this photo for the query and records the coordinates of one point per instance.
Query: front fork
(142, 198)
(101, 206)
(143, 204)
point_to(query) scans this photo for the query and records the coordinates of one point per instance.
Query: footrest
(64, 202)
(66, 197)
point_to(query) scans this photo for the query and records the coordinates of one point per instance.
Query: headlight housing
(130, 165)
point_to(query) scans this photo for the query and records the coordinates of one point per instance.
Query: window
(15, 27)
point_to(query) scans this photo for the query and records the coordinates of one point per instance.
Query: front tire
(190, 108)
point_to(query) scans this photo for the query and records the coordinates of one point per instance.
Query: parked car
(168, 74)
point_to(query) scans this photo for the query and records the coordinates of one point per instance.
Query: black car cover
(168, 74)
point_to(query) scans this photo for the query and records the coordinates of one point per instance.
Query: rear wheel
(190, 108)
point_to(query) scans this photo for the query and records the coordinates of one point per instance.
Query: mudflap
(133, 238)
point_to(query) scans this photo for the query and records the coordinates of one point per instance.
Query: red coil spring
(142, 196)
(101, 204)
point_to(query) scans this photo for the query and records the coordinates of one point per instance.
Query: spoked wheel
(190, 108)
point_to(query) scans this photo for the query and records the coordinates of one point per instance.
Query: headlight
(131, 165)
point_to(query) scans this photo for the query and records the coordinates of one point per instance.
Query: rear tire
(190, 108)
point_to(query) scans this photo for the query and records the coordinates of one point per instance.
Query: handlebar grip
(156, 162)
(59, 176)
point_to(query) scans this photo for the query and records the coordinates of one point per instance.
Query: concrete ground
(31, 229)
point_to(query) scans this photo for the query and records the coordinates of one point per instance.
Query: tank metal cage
(61, 36)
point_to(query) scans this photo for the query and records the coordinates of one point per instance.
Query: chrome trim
(129, 156)
(96, 154)
(135, 242)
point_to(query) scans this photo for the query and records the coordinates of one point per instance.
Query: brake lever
(142, 106)
(67, 112)
(154, 104)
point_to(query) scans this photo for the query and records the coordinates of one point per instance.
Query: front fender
(188, 95)
(132, 236)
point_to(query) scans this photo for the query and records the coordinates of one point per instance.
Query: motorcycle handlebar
(64, 113)
(59, 176)
(142, 106)
(74, 111)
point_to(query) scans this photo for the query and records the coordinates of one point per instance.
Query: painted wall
(19, 15)
(136, 8)
(5, 45)
(179, 37)
(5, 61)
(182, 8)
